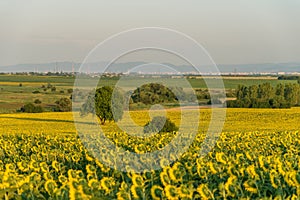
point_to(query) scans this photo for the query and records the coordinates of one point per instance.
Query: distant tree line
(156, 93)
(289, 77)
(266, 96)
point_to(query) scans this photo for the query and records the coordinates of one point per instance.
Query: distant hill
(124, 67)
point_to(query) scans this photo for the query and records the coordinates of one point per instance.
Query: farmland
(13, 96)
(44, 156)
(255, 157)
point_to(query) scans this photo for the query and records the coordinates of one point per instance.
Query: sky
(232, 31)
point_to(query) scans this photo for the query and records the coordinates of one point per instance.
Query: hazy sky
(232, 31)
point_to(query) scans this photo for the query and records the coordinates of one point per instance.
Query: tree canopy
(266, 96)
(153, 93)
(106, 103)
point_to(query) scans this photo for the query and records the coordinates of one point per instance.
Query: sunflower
(62, 179)
(103, 168)
(160, 145)
(123, 193)
(248, 156)
(72, 174)
(290, 178)
(140, 148)
(107, 183)
(75, 158)
(164, 163)
(157, 192)
(47, 176)
(90, 169)
(79, 174)
(137, 180)
(164, 178)
(44, 167)
(212, 168)
(250, 186)
(229, 186)
(10, 167)
(185, 192)
(171, 192)
(221, 158)
(201, 171)
(56, 165)
(262, 163)
(137, 192)
(94, 184)
(89, 158)
(35, 177)
(50, 186)
(23, 166)
(34, 166)
(252, 172)
(204, 192)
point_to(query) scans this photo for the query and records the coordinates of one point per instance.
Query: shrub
(36, 92)
(63, 105)
(70, 90)
(31, 108)
(37, 101)
(160, 124)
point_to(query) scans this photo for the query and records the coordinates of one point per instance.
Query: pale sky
(232, 31)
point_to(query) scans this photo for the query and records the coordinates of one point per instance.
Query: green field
(12, 96)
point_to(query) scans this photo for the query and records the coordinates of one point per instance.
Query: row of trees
(286, 77)
(267, 96)
(155, 93)
(61, 105)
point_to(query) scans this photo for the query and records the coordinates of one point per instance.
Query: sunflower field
(256, 157)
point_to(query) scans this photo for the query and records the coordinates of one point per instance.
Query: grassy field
(229, 82)
(255, 157)
(12, 96)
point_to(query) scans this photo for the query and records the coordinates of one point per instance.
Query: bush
(31, 108)
(70, 90)
(36, 92)
(37, 101)
(63, 105)
(160, 124)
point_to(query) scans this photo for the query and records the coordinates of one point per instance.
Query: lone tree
(106, 103)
